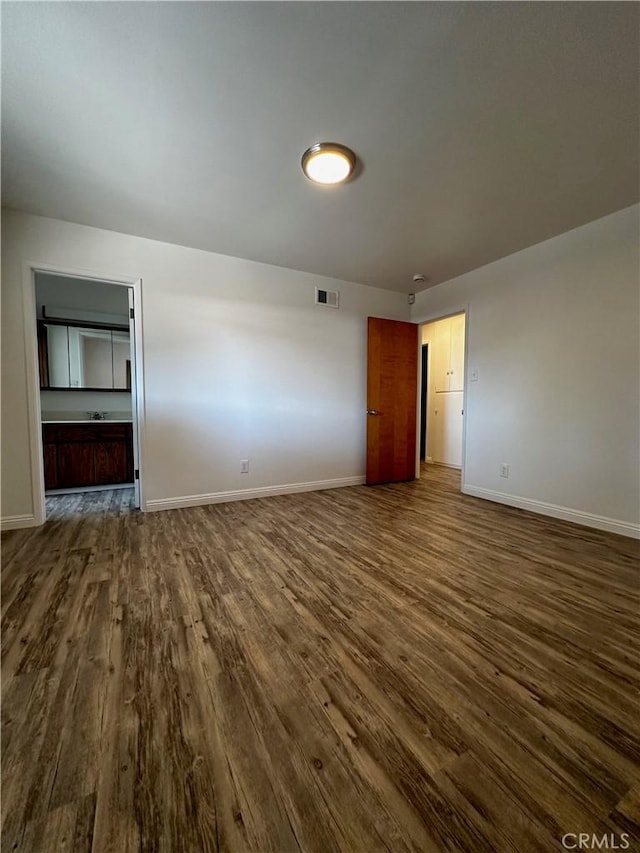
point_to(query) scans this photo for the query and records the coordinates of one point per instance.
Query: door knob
(373, 412)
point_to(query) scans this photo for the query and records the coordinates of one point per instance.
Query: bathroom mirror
(83, 357)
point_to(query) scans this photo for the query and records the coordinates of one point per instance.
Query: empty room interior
(320, 427)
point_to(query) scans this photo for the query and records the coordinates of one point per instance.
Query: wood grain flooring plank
(398, 668)
(23, 734)
(219, 649)
(314, 739)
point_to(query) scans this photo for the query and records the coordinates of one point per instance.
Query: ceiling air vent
(328, 298)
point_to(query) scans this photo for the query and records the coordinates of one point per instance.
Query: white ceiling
(482, 128)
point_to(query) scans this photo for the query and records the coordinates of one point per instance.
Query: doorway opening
(442, 391)
(424, 385)
(87, 394)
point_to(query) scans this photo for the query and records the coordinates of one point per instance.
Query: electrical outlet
(504, 469)
(244, 466)
(474, 374)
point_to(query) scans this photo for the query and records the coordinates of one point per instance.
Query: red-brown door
(392, 391)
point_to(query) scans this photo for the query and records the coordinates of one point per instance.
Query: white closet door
(444, 432)
(439, 355)
(450, 414)
(435, 427)
(456, 361)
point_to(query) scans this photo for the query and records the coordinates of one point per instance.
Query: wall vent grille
(327, 298)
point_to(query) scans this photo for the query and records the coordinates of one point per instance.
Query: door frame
(423, 321)
(34, 410)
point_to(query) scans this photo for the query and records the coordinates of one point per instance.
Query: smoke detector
(419, 277)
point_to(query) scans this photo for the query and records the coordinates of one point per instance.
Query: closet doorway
(442, 391)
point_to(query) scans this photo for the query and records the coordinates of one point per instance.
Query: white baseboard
(600, 522)
(247, 494)
(15, 522)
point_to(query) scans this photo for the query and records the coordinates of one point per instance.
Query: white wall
(80, 402)
(60, 292)
(553, 332)
(239, 363)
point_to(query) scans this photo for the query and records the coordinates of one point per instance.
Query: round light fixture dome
(328, 163)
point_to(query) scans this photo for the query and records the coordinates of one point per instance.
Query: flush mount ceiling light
(328, 163)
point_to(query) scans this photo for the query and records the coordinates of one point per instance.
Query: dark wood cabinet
(93, 454)
(50, 466)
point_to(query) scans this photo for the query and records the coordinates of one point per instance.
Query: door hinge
(131, 313)
(136, 474)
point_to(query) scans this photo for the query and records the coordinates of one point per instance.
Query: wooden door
(110, 461)
(50, 466)
(75, 464)
(392, 391)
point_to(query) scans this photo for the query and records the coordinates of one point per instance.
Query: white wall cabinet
(448, 347)
(456, 357)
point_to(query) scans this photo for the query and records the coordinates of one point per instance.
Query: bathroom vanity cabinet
(92, 453)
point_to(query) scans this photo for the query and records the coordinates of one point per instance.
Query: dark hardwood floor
(367, 669)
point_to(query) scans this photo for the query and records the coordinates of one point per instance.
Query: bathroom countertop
(89, 421)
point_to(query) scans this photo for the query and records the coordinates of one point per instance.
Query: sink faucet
(96, 416)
